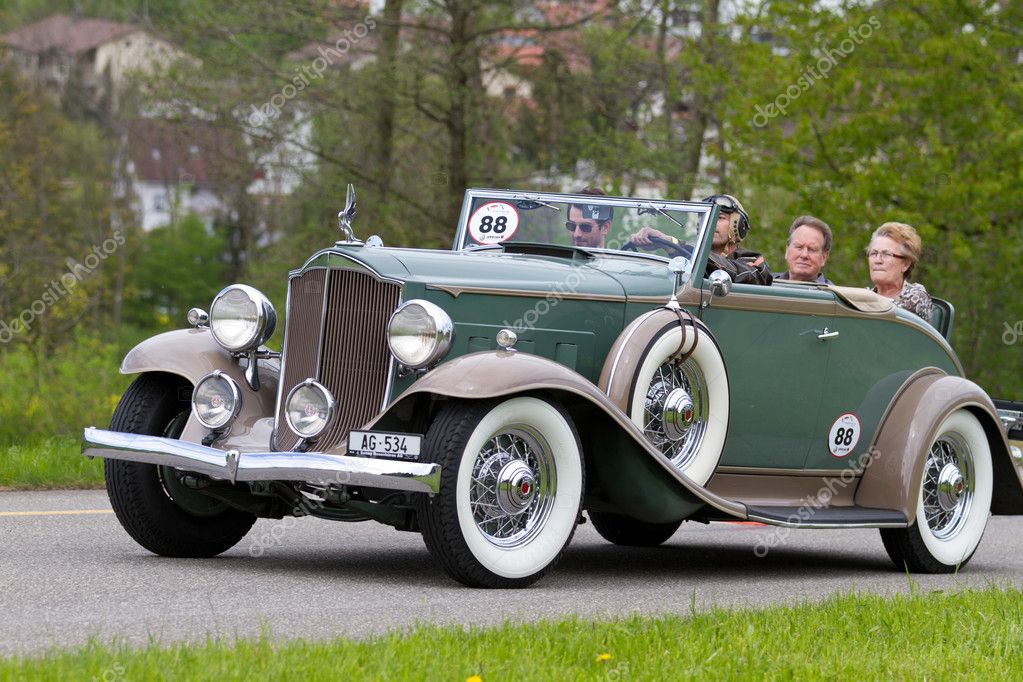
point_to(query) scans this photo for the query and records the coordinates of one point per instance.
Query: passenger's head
(732, 225)
(893, 252)
(589, 223)
(808, 247)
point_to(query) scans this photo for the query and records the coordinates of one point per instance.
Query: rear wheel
(627, 531)
(150, 501)
(511, 487)
(953, 503)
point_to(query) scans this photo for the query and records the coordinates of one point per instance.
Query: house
(95, 56)
(174, 171)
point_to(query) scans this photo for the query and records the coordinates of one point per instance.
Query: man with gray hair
(807, 250)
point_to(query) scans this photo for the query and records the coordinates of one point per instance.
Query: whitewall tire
(511, 488)
(953, 502)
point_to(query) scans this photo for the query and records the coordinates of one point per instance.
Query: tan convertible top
(863, 299)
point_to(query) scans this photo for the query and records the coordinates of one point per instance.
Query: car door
(775, 348)
(869, 360)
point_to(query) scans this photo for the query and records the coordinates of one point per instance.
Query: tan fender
(501, 373)
(893, 477)
(192, 354)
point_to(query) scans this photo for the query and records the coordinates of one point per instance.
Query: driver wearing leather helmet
(731, 228)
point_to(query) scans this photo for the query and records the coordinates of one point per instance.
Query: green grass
(48, 463)
(973, 634)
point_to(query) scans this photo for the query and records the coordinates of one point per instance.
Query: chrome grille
(337, 335)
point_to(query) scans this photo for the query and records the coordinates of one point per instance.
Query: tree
(899, 111)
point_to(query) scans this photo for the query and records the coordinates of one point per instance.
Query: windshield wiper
(664, 213)
(532, 200)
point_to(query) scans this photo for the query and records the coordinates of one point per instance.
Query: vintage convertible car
(489, 395)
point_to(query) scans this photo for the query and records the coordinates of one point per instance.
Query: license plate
(384, 444)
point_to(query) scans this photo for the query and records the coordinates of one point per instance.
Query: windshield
(663, 228)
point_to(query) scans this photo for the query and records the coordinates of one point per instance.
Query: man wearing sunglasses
(589, 223)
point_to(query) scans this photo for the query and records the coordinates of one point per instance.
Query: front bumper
(313, 467)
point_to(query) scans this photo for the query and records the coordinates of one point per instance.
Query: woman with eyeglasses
(893, 253)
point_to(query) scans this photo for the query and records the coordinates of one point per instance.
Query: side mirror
(720, 283)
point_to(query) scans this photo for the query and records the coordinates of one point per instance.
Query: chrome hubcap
(513, 485)
(676, 411)
(679, 414)
(948, 485)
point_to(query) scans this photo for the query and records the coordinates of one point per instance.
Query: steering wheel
(671, 247)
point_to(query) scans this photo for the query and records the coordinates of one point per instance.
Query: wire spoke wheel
(948, 485)
(511, 487)
(668, 380)
(514, 482)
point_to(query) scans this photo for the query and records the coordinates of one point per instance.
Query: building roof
(67, 34)
(171, 153)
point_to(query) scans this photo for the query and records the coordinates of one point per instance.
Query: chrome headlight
(216, 400)
(241, 318)
(309, 408)
(419, 334)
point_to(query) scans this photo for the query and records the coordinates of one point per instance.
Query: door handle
(825, 335)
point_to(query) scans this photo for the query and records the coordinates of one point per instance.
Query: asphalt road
(71, 572)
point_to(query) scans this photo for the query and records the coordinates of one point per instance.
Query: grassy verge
(974, 634)
(48, 463)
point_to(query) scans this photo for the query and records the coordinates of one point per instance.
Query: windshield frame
(704, 210)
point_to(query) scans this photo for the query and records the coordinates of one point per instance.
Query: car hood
(600, 275)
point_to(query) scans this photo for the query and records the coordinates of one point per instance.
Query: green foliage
(41, 397)
(48, 463)
(174, 268)
(57, 244)
(974, 634)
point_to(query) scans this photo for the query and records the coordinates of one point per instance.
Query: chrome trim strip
(334, 259)
(233, 466)
(767, 471)
(822, 525)
(284, 359)
(392, 364)
(456, 291)
(633, 328)
(321, 340)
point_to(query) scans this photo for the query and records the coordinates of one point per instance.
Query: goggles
(726, 203)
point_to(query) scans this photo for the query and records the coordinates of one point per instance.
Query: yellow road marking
(64, 512)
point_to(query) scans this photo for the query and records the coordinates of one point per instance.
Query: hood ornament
(346, 216)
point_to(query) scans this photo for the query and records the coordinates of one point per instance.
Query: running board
(826, 517)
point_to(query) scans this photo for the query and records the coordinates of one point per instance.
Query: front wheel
(953, 503)
(510, 492)
(150, 501)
